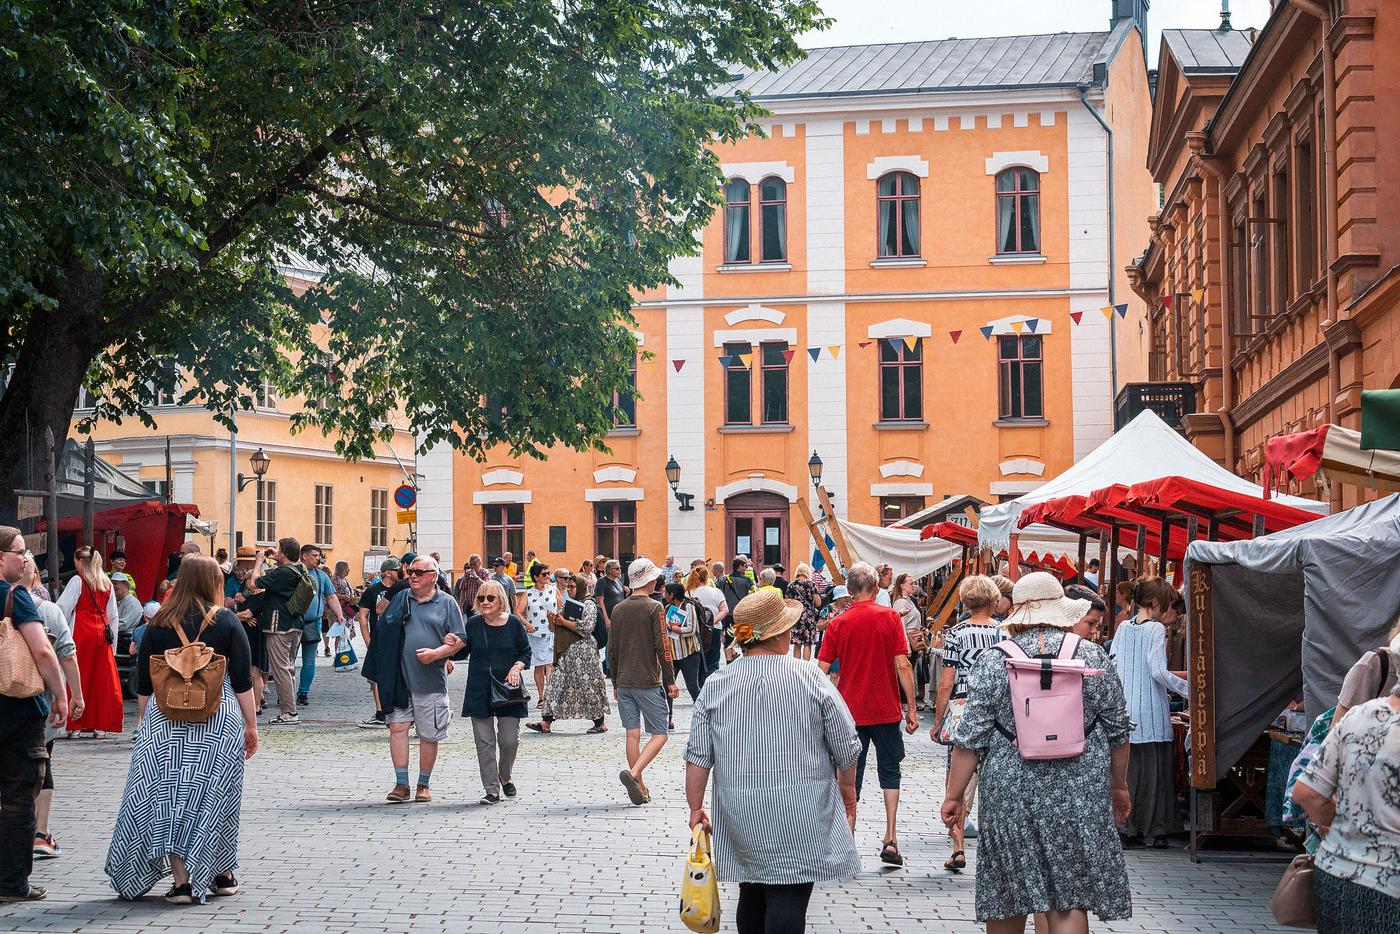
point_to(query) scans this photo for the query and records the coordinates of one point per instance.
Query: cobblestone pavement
(321, 851)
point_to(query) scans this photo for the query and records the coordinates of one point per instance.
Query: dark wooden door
(756, 524)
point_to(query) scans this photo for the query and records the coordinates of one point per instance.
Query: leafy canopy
(485, 184)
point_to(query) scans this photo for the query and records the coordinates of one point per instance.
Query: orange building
(1271, 274)
(907, 279)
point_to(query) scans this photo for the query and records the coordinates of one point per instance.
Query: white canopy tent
(900, 548)
(1144, 449)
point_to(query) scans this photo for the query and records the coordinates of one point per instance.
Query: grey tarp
(1296, 609)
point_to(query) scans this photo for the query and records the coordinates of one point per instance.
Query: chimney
(1135, 10)
(1224, 15)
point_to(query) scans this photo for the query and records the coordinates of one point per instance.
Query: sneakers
(372, 723)
(490, 799)
(45, 846)
(32, 894)
(225, 884)
(180, 895)
(423, 795)
(285, 719)
(509, 789)
(398, 794)
(303, 700)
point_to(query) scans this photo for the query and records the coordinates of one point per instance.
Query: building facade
(1271, 274)
(908, 278)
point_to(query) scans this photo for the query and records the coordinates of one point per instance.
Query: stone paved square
(320, 850)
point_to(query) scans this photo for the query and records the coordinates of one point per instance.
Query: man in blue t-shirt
(22, 755)
(314, 618)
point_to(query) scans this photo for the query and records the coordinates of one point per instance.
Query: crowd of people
(846, 667)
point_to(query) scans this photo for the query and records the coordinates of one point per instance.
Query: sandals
(957, 862)
(596, 729)
(537, 726)
(890, 854)
(634, 787)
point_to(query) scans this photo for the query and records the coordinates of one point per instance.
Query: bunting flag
(955, 335)
(893, 343)
(1197, 295)
(835, 350)
(788, 355)
(1122, 309)
(1076, 316)
(864, 344)
(724, 360)
(1032, 324)
(911, 343)
(678, 364)
(1167, 300)
(1107, 311)
(1017, 326)
(815, 352)
(986, 332)
(745, 359)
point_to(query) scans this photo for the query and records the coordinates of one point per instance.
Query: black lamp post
(814, 467)
(673, 477)
(259, 462)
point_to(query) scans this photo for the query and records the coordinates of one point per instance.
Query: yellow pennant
(1107, 312)
(910, 343)
(835, 350)
(745, 359)
(1017, 326)
(1197, 295)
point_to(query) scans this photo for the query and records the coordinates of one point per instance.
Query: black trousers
(692, 668)
(712, 655)
(772, 909)
(23, 761)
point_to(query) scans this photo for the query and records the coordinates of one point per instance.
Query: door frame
(757, 506)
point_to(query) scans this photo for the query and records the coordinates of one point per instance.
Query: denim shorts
(429, 714)
(639, 705)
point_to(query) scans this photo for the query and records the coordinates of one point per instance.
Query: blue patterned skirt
(183, 797)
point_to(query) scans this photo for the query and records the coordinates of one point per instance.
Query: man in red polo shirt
(869, 642)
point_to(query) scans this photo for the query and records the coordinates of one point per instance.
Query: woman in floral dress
(575, 689)
(801, 589)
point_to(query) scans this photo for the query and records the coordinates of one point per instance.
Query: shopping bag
(338, 630)
(699, 886)
(951, 718)
(345, 657)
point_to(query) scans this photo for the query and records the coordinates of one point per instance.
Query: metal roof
(1060, 59)
(1206, 51)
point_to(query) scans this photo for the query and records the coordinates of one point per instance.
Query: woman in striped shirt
(1140, 654)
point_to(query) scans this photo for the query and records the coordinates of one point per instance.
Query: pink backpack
(1047, 698)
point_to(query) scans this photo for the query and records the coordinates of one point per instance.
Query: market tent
(150, 532)
(1333, 453)
(899, 548)
(1144, 449)
(1295, 609)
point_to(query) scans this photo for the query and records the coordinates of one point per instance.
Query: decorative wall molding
(1030, 158)
(1003, 325)
(614, 494)
(883, 165)
(755, 485)
(902, 469)
(899, 327)
(502, 475)
(755, 172)
(755, 336)
(498, 497)
(1022, 465)
(615, 474)
(901, 489)
(754, 312)
(1013, 487)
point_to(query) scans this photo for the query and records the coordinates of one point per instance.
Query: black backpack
(704, 622)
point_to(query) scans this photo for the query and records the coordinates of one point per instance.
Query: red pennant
(1075, 316)
(864, 344)
(955, 335)
(678, 364)
(1167, 301)
(788, 355)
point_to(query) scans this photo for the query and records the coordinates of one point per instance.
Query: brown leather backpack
(188, 682)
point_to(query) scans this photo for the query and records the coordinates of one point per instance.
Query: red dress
(97, 665)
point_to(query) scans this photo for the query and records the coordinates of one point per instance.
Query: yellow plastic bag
(699, 886)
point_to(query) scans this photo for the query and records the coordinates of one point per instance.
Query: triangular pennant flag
(864, 344)
(1121, 309)
(1167, 300)
(678, 364)
(1017, 326)
(911, 343)
(894, 343)
(955, 335)
(1032, 324)
(1076, 316)
(835, 350)
(726, 361)
(788, 354)
(1107, 312)
(745, 359)
(815, 352)
(986, 332)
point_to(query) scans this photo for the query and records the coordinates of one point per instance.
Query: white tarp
(899, 548)
(1144, 449)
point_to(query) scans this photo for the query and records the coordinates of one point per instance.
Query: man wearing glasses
(421, 629)
(23, 759)
(391, 582)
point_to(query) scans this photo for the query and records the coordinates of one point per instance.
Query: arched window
(1018, 211)
(772, 205)
(736, 221)
(897, 196)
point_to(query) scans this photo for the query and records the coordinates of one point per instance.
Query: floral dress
(576, 689)
(1048, 841)
(805, 593)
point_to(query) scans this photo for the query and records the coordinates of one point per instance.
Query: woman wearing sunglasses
(497, 651)
(575, 689)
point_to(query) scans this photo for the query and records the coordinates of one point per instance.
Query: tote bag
(699, 885)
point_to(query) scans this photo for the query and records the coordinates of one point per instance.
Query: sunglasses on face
(419, 572)
(486, 599)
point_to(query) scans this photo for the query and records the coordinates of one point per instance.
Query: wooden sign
(1201, 651)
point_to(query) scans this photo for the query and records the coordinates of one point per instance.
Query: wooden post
(836, 576)
(1083, 546)
(1141, 552)
(89, 491)
(1200, 647)
(169, 476)
(1013, 558)
(834, 527)
(1164, 550)
(53, 557)
(1112, 574)
(1103, 566)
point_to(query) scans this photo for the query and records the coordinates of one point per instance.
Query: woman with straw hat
(779, 795)
(1048, 840)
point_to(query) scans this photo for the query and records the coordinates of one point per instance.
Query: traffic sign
(408, 516)
(405, 497)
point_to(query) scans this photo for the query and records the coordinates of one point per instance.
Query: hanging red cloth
(1297, 455)
(97, 664)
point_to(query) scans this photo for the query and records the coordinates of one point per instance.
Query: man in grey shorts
(425, 624)
(640, 657)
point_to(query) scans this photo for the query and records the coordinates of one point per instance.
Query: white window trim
(502, 497)
(1003, 326)
(502, 475)
(901, 469)
(1021, 465)
(767, 266)
(755, 485)
(884, 165)
(1011, 487)
(754, 312)
(614, 494)
(899, 327)
(755, 172)
(614, 474)
(1025, 158)
(756, 336)
(901, 489)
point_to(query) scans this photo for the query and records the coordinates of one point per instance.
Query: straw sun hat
(1039, 600)
(764, 614)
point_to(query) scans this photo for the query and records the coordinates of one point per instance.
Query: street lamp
(814, 467)
(260, 462)
(673, 477)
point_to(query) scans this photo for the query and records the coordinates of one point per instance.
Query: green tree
(486, 184)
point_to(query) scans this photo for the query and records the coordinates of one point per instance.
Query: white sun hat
(1039, 600)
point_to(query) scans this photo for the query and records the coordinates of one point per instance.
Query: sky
(858, 22)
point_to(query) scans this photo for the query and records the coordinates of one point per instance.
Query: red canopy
(954, 532)
(1235, 512)
(150, 532)
(1101, 509)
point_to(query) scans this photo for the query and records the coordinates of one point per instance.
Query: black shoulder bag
(502, 694)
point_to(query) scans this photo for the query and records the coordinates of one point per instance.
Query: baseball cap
(150, 610)
(125, 577)
(498, 562)
(389, 564)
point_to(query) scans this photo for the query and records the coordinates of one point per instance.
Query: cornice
(1281, 386)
